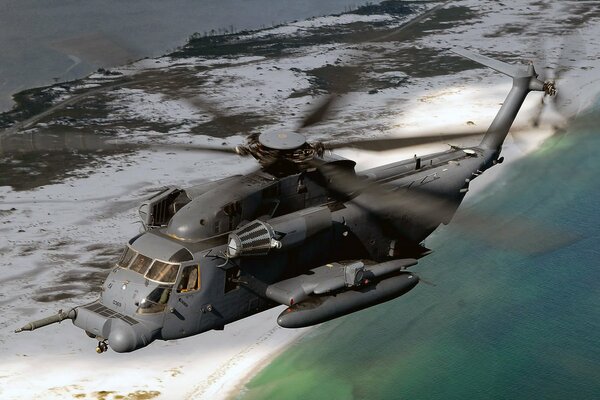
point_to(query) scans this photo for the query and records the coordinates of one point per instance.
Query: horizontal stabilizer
(511, 70)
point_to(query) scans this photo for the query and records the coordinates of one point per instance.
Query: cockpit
(154, 270)
(162, 273)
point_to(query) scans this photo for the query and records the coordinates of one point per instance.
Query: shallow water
(497, 324)
(61, 40)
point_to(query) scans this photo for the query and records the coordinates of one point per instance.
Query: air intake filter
(254, 239)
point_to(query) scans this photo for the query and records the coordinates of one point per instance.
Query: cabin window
(140, 264)
(190, 279)
(267, 207)
(271, 191)
(232, 279)
(126, 258)
(233, 211)
(232, 208)
(163, 272)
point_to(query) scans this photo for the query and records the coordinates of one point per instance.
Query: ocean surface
(498, 324)
(46, 41)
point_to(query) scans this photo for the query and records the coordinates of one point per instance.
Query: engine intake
(254, 239)
(258, 238)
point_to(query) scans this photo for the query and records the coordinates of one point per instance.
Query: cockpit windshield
(163, 272)
(140, 264)
(158, 271)
(126, 258)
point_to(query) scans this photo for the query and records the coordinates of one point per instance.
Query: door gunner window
(190, 279)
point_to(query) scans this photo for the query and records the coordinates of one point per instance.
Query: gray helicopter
(305, 231)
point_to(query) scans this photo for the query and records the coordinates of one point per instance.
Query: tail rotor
(556, 97)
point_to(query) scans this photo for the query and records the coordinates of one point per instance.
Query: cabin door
(183, 315)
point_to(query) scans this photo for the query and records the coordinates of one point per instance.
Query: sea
(491, 322)
(43, 42)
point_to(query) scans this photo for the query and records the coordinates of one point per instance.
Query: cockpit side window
(140, 264)
(126, 258)
(190, 279)
(163, 272)
(156, 301)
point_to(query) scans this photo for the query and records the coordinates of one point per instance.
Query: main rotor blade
(402, 31)
(398, 208)
(80, 142)
(73, 141)
(227, 123)
(384, 201)
(202, 104)
(396, 143)
(572, 50)
(319, 113)
(98, 49)
(199, 148)
(513, 232)
(323, 110)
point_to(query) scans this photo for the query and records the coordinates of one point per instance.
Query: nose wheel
(102, 347)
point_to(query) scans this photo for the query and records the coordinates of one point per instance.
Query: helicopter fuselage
(139, 305)
(324, 240)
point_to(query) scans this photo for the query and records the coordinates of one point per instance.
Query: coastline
(236, 387)
(513, 150)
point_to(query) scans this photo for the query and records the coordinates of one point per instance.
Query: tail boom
(524, 81)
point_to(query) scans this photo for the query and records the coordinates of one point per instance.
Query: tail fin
(524, 81)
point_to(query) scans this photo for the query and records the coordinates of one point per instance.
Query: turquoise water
(497, 324)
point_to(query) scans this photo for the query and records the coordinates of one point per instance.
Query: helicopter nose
(124, 333)
(124, 338)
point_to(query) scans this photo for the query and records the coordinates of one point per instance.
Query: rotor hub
(550, 88)
(281, 140)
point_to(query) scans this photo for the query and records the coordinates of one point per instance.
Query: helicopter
(305, 230)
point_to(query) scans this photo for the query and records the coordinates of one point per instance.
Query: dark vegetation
(28, 103)
(34, 101)
(387, 67)
(274, 46)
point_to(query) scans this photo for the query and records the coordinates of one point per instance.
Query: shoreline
(511, 150)
(237, 388)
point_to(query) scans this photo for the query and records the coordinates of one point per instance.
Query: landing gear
(102, 347)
